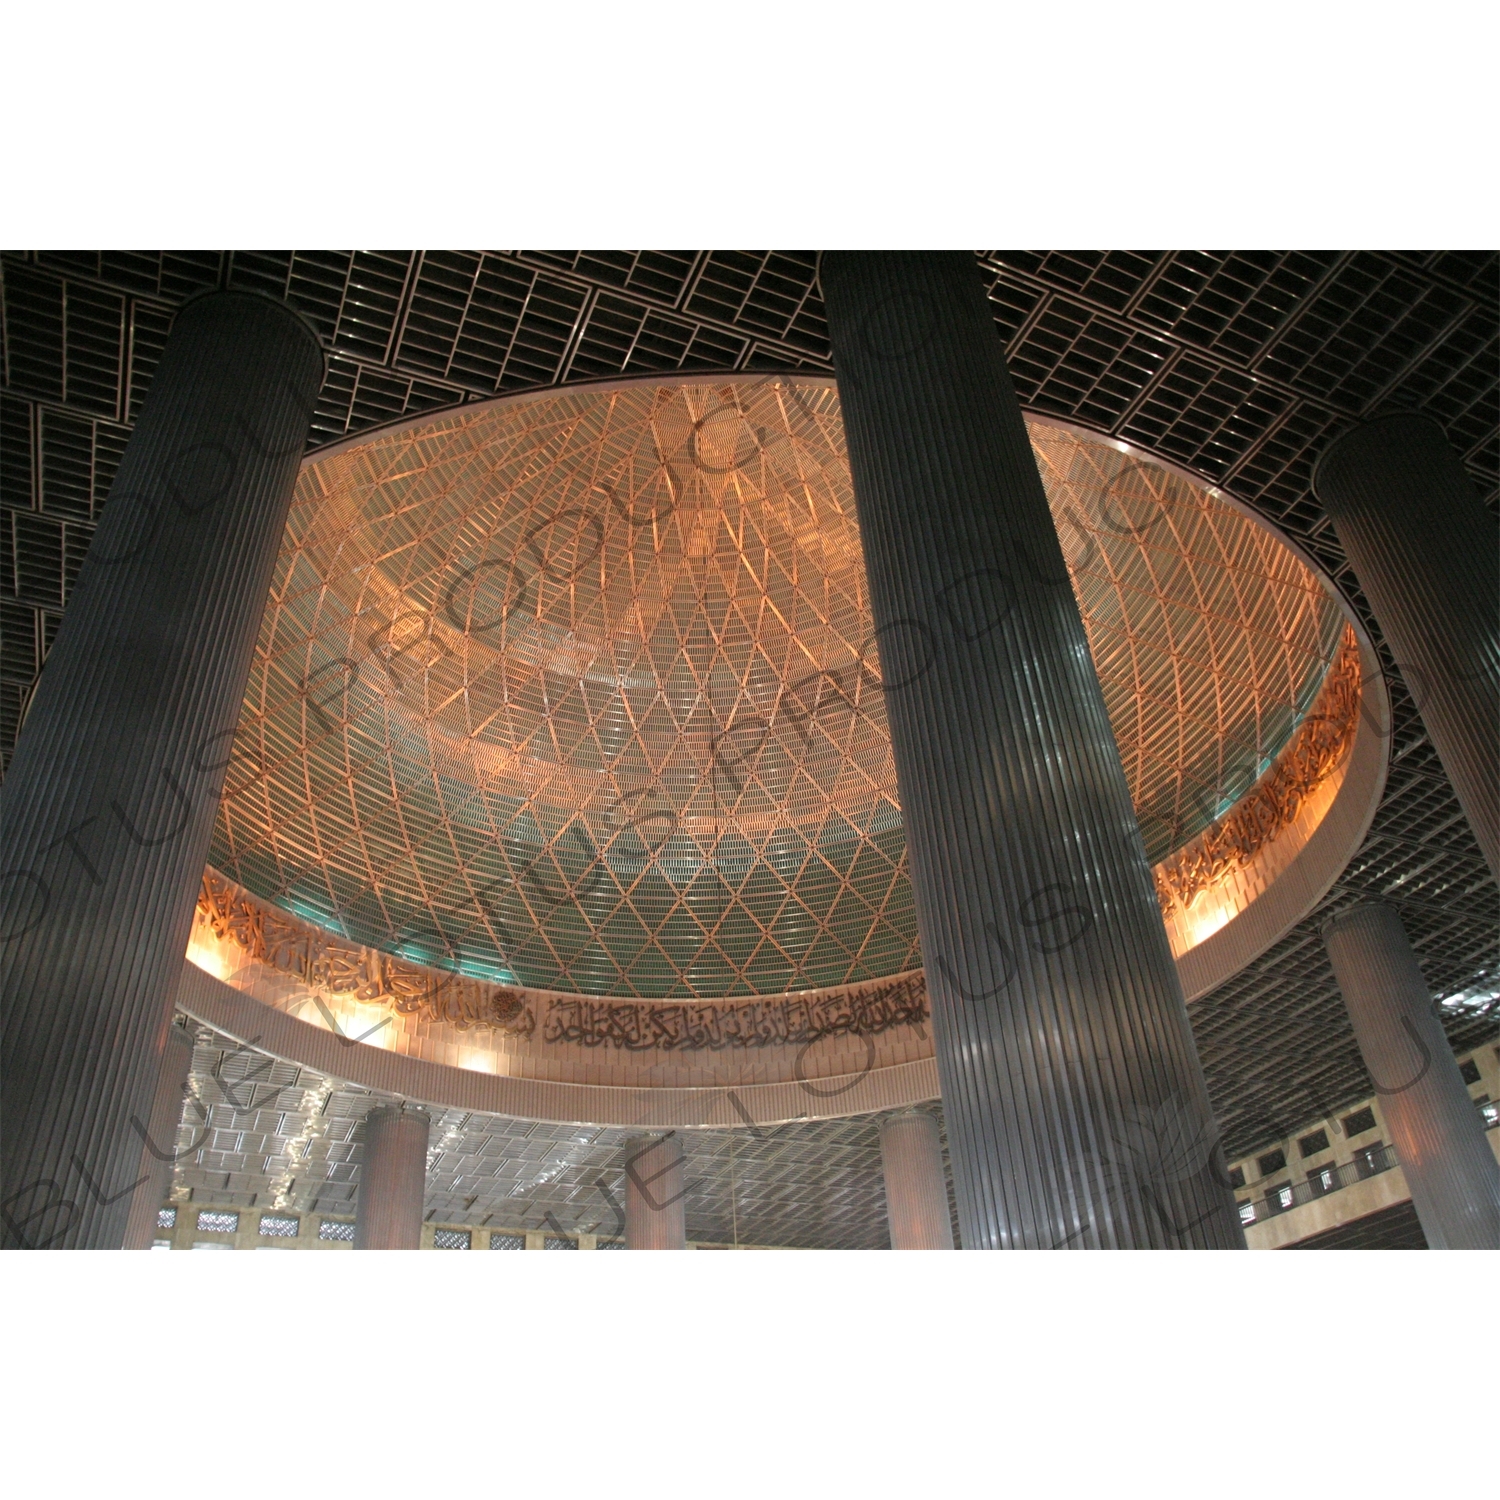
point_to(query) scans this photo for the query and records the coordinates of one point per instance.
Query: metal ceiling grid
(1239, 365)
(273, 1136)
(1275, 1039)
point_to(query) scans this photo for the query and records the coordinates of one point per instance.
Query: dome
(579, 690)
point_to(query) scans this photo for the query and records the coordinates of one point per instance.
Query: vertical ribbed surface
(392, 1179)
(159, 1148)
(655, 1212)
(1076, 1108)
(109, 805)
(1438, 1135)
(916, 1196)
(1427, 555)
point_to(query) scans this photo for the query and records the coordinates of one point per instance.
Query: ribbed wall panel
(655, 1210)
(109, 804)
(392, 1179)
(158, 1151)
(916, 1194)
(1076, 1107)
(1438, 1135)
(1427, 555)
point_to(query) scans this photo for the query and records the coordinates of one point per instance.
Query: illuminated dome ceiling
(578, 690)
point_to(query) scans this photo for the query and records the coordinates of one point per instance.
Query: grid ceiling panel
(289, 1140)
(1230, 303)
(1079, 363)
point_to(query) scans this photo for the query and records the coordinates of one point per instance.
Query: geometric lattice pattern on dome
(578, 691)
(1210, 637)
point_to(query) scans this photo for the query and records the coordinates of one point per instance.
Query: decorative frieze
(326, 963)
(339, 968)
(1319, 747)
(862, 1010)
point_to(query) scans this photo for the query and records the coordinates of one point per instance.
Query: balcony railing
(1321, 1181)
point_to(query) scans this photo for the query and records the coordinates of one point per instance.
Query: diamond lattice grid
(580, 691)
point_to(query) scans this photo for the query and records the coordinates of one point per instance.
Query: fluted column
(159, 1149)
(1075, 1103)
(392, 1179)
(107, 813)
(1439, 1138)
(1424, 549)
(655, 1213)
(916, 1193)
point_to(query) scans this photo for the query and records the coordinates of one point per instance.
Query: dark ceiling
(1238, 365)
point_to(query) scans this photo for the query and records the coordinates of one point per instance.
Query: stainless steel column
(159, 1149)
(1425, 551)
(1435, 1128)
(1075, 1104)
(108, 809)
(916, 1191)
(392, 1179)
(655, 1213)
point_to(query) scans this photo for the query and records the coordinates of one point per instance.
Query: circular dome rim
(824, 378)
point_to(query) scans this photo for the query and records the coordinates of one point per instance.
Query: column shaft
(109, 805)
(159, 1150)
(1438, 1135)
(916, 1191)
(1076, 1107)
(1424, 549)
(392, 1179)
(655, 1212)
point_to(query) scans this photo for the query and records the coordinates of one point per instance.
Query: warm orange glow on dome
(579, 690)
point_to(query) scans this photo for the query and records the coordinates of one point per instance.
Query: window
(1236, 1177)
(215, 1221)
(452, 1239)
(1370, 1160)
(1247, 1213)
(1272, 1161)
(161, 1244)
(166, 1218)
(331, 1229)
(1491, 1113)
(1360, 1121)
(1323, 1180)
(1279, 1198)
(610, 1245)
(1310, 1145)
(279, 1225)
(507, 1242)
(1468, 1070)
(559, 1242)
(211, 1245)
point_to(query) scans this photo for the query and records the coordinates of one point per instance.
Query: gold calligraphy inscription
(282, 942)
(863, 1010)
(1316, 751)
